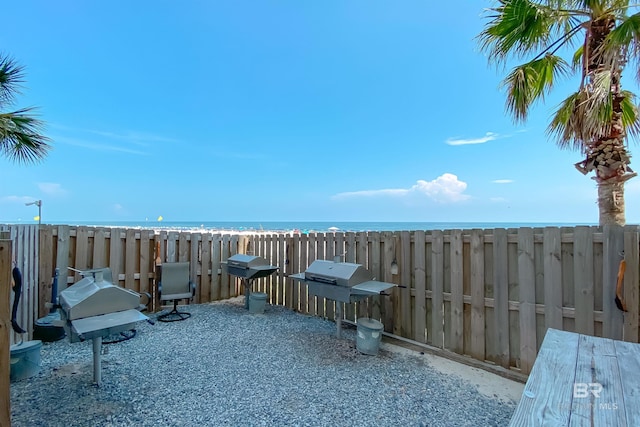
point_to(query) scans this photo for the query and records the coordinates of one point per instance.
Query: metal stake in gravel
(342, 282)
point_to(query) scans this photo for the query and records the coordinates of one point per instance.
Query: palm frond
(520, 27)
(589, 114)
(565, 125)
(21, 138)
(630, 117)
(530, 81)
(623, 42)
(11, 78)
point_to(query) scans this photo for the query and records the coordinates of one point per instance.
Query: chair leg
(174, 315)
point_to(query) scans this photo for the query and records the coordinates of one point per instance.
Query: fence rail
(489, 294)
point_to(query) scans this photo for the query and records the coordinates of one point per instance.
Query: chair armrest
(193, 288)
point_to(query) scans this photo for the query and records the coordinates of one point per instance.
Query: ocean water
(314, 226)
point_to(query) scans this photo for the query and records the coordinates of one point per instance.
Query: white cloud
(502, 181)
(446, 188)
(52, 189)
(489, 136)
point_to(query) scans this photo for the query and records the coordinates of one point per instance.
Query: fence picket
(631, 284)
(501, 296)
(437, 289)
(552, 278)
(583, 274)
(457, 292)
(527, 288)
(477, 294)
(420, 276)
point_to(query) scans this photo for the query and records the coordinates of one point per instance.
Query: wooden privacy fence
(488, 294)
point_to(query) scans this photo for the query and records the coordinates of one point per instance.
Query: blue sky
(280, 110)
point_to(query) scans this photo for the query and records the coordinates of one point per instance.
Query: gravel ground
(227, 367)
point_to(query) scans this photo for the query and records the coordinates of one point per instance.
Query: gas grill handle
(324, 280)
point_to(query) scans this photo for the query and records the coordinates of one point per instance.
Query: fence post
(613, 246)
(5, 284)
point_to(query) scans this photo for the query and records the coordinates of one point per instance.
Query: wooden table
(580, 380)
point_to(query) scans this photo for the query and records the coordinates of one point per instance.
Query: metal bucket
(369, 336)
(25, 360)
(257, 302)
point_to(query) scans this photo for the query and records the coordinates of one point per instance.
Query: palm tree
(598, 38)
(20, 133)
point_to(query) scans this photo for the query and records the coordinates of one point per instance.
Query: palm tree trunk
(611, 203)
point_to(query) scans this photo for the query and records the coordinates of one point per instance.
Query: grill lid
(249, 266)
(246, 261)
(94, 296)
(337, 273)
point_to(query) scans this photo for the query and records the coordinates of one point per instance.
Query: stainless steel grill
(248, 268)
(94, 308)
(342, 282)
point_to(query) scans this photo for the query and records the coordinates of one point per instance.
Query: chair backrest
(175, 281)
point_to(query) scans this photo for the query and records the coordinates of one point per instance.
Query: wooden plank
(437, 288)
(405, 261)
(194, 264)
(5, 326)
(130, 258)
(527, 290)
(99, 249)
(172, 247)
(362, 250)
(350, 256)
(501, 297)
(216, 278)
(390, 304)
(300, 267)
(115, 254)
(583, 275)
(457, 293)
(285, 288)
(514, 295)
(183, 246)
(145, 263)
(82, 251)
(341, 252)
(312, 256)
(597, 369)
(420, 280)
(477, 349)
(548, 392)
(330, 254)
(46, 270)
(62, 256)
(321, 254)
(613, 242)
(628, 356)
(205, 268)
(271, 255)
(224, 282)
(552, 278)
(291, 266)
(375, 242)
(631, 285)
(34, 294)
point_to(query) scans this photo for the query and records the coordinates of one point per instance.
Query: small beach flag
(36, 218)
(160, 218)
